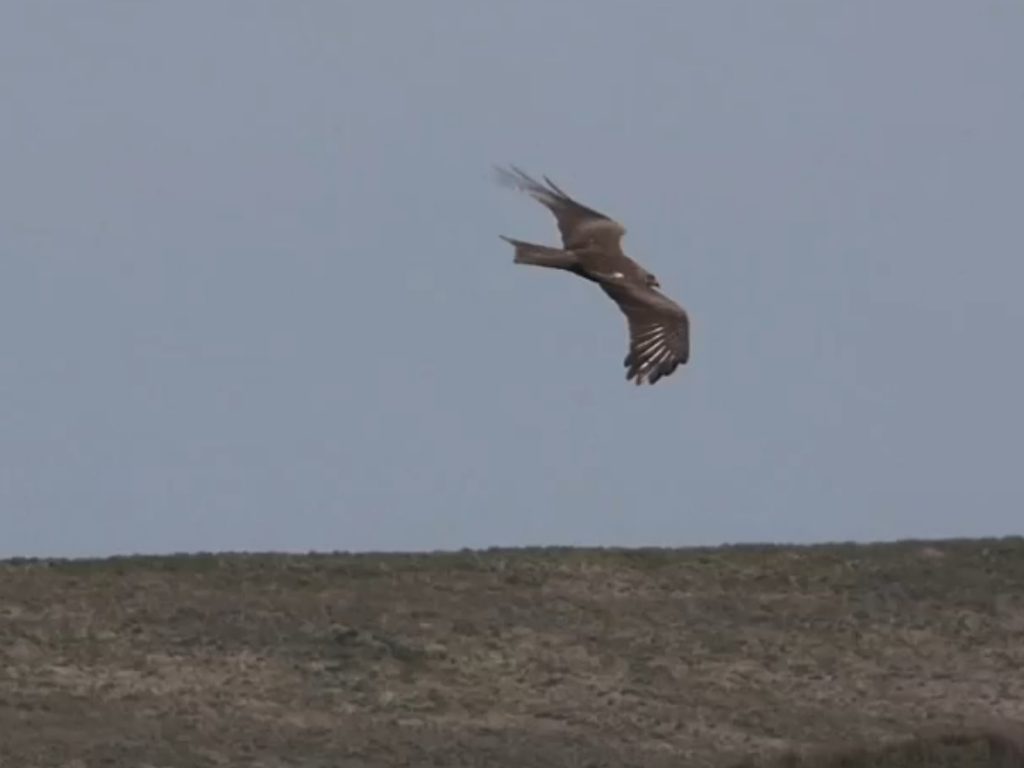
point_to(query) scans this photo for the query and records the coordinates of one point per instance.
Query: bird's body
(659, 328)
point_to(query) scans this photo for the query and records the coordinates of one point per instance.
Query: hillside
(553, 657)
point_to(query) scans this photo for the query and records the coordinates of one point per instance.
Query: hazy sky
(252, 294)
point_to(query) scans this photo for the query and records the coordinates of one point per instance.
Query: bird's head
(652, 281)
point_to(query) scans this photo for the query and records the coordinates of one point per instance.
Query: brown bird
(659, 329)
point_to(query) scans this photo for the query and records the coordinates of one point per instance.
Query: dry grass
(534, 658)
(994, 745)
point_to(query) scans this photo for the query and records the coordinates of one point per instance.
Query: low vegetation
(904, 654)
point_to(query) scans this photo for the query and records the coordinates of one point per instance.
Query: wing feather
(659, 331)
(579, 225)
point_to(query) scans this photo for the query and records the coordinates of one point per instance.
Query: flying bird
(659, 329)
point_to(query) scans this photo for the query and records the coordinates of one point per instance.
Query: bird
(658, 327)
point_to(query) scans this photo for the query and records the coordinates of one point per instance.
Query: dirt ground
(553, 657)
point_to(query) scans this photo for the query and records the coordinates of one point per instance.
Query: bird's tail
(541, 255)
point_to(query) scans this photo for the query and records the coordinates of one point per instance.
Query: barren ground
(554, 657)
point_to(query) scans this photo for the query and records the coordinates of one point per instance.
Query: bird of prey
(659, 329)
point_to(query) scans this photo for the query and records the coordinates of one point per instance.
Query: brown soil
(554, 657)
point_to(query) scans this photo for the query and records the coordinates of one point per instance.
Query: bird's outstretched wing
(580, 226)
(659, 331)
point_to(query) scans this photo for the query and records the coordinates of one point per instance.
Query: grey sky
(252, 294)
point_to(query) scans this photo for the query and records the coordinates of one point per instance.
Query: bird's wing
(659, 330)
(580, 226)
